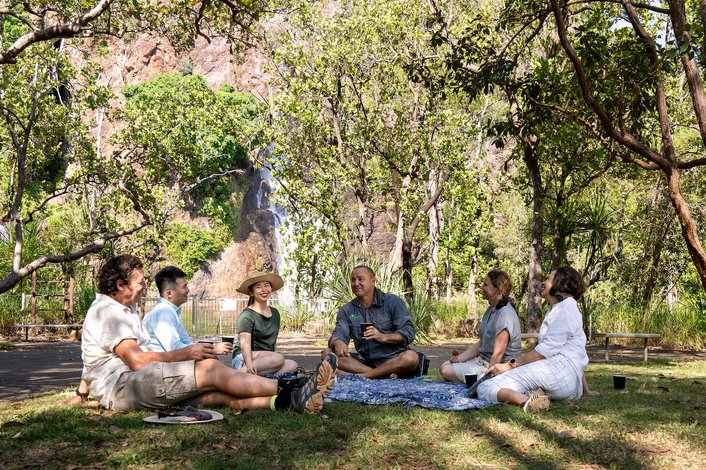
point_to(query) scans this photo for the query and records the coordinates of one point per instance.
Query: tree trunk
(432, 283)
(472, 275)
(447, 261)
(407, 269)
(688, 228)
(664, 159)
(556, 238)
(534, 277)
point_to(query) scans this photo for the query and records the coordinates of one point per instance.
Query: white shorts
(477, 365)
(556, 375)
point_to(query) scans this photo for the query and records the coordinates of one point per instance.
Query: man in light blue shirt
(163, 322)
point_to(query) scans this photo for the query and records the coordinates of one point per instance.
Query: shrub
(295, 318)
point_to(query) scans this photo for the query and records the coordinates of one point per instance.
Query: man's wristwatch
(84, 396)
(512, 363)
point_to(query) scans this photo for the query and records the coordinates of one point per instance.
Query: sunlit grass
(656, 422)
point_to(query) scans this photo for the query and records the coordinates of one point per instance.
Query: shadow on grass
(629, 429)
(654, 418)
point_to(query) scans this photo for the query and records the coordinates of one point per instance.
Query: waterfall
(285, 295)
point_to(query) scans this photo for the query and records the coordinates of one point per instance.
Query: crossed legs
(269, 362)
(402, 364)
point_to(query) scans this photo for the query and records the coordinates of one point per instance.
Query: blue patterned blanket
(438, 395)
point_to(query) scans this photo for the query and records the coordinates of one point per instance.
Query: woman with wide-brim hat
(258, 327)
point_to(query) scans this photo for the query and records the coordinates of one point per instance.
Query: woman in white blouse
(555, 367)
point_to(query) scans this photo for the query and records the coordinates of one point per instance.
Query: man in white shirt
(163, 323)
(122, 373)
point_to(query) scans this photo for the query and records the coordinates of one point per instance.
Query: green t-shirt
(264, 330)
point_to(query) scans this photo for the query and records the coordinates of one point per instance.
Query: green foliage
(356, 135)
(296, 317)
(447, 315)
(196, 141)
(422, 311)
(188, 245)
(10, 305)
(682, 326)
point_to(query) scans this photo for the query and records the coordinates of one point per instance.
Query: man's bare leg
(219, 381)
(213, 375)
(402, 364)
(223, 399)
(347, 363)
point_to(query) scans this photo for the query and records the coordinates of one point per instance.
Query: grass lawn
(657, 422)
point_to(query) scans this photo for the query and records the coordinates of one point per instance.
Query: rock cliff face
(254, 247)
(142, 57)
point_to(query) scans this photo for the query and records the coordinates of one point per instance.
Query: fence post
(195, 315)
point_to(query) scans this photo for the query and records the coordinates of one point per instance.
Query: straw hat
(275, 281)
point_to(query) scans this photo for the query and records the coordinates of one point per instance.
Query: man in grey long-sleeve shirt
(382, 350)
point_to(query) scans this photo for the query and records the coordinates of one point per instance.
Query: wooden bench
(608, 336)
(71, 326)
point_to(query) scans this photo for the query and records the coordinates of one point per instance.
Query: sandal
(187, 414)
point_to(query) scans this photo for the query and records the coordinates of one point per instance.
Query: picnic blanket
(408, 392)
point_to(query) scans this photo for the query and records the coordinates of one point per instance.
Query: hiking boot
(288, 384)
(536, 403)
(310, 397)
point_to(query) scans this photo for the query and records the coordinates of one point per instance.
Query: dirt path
(38, 367)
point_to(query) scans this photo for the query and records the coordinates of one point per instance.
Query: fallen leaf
(17, 435)
(12, 424)
(654, 379)
(657, 450)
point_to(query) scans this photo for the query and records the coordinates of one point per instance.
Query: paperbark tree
(665, 155)
(48, 160)
(359, 140)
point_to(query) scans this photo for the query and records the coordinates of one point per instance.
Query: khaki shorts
(478, 366)
(154, 386)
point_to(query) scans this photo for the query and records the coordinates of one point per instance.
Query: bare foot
(72, 401)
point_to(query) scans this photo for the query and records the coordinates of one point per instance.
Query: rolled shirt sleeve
(342, 329)
(402, 320)
(388, 313)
